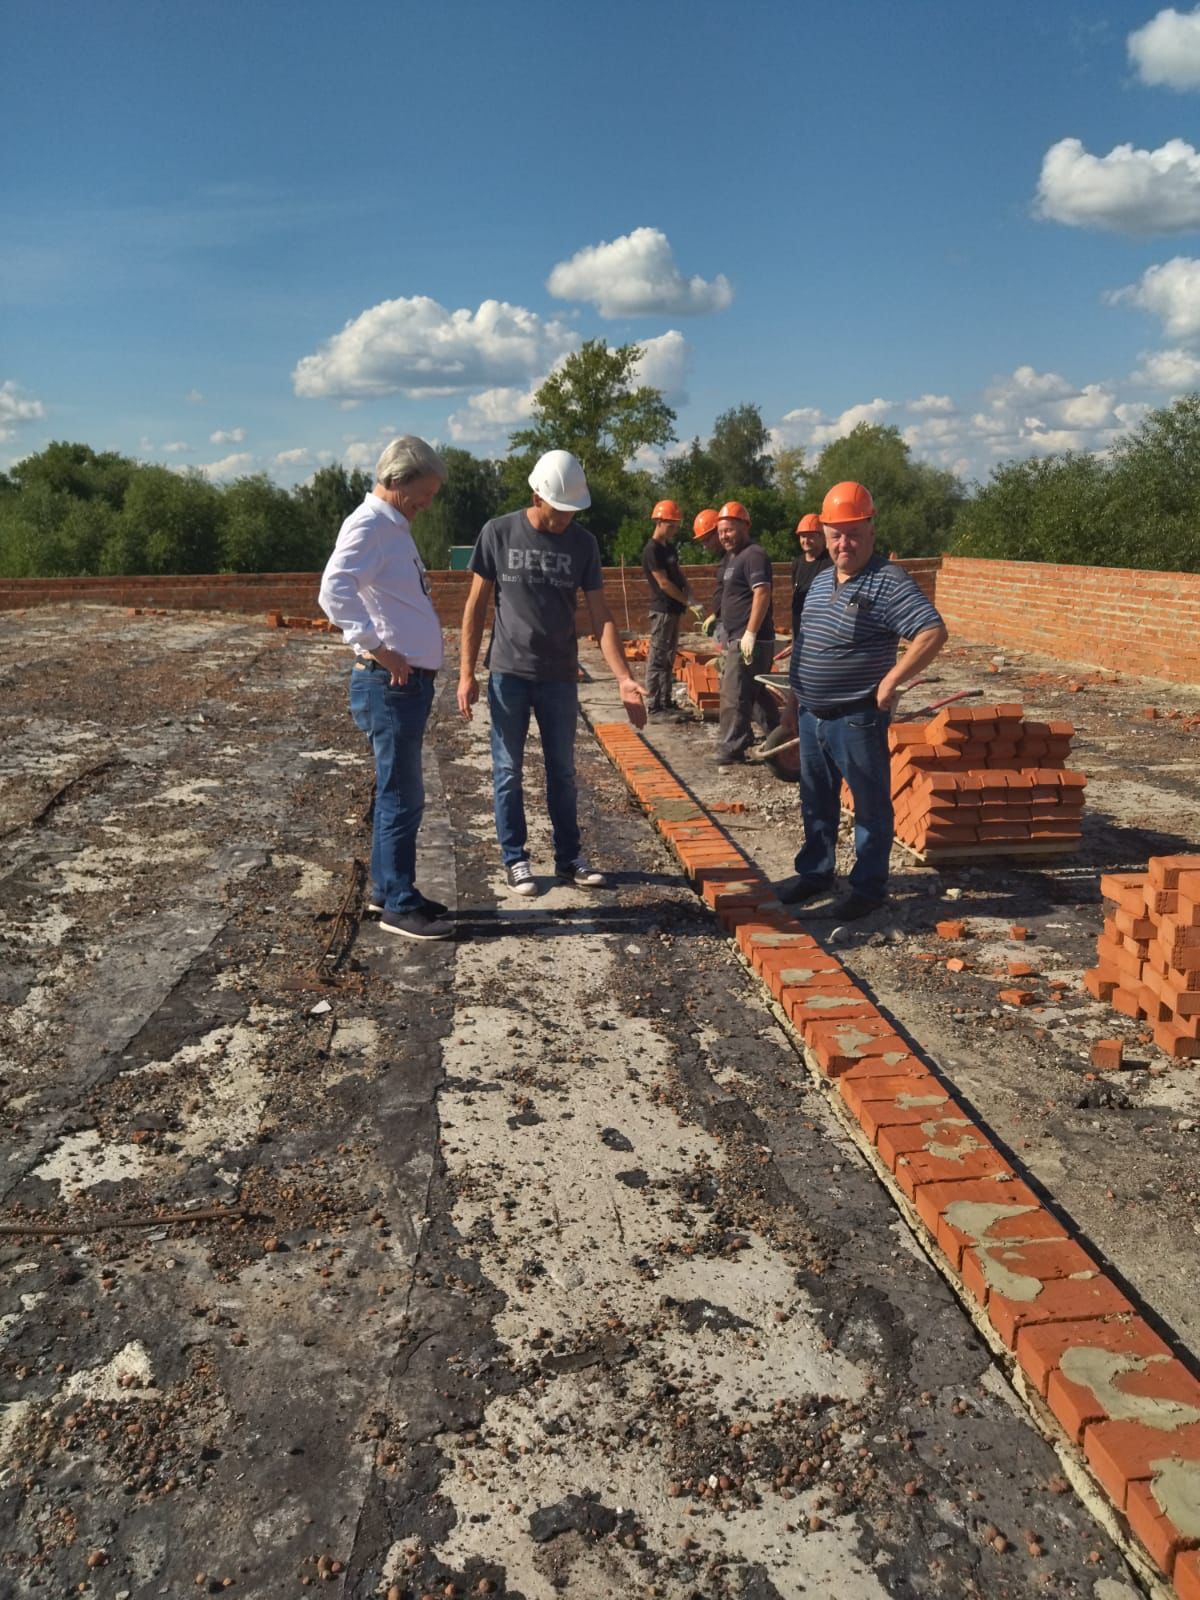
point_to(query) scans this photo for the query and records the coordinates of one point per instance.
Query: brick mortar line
(757, 923)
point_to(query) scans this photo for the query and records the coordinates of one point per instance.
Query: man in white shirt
(374, 589)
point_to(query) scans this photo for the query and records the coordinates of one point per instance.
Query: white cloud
(1167, 50)
(175, 447)
(194, 397)
(15, 409)
(1092, 407)
(663, 364)
(1170, 292)
(932, 404)
(362, 453)
(1026, 383)
(227, 436)
(1128, 190)
(414, 346)
(228, 466)
(1175, 370)
(292, 458)
(636, 276)
(491, 415)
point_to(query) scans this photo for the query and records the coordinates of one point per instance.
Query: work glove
(697, 612)
(707, 626)
(749, 640)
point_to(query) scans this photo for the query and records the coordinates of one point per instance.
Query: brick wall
(1141, 622)
(1146, 623)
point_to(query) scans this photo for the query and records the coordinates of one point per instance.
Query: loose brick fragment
(1018, 997)
(951, 929)
(1107, 1054)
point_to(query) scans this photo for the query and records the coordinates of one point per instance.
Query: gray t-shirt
(537, 578)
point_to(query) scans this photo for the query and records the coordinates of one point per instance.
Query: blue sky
(264, 236)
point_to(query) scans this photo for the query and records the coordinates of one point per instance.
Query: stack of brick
(982, 775)
(1148, 957)
(700, 673)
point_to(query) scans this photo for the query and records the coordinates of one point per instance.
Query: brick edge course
(946, 1176)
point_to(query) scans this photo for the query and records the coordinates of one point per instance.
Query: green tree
(1050, 508)
(1153, 499)
(325, 502)
(262, 528)
(591, 406)
(170, 522)
(472, 494)
(738, 448)
(791, 475)
(78, 471)
(916, 504)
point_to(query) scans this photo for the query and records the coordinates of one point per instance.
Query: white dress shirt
(375, 590)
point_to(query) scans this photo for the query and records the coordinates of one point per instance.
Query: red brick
(1042, 1261)
(1068, 1300)
(838, 1045)
(1122, 1453)
(812, 1007)
(1185, 1575)
(1176, 1039)
(892, 1064)
(1107, 1054)
(915, 1168)
(1018, 997)
(1163, 1540)
(951, 929)
(1164, 871)
(1040, 1346)
(1151, 1386)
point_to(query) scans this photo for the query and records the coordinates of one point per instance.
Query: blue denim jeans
(556, 706)
(393, 717)
(853, 746)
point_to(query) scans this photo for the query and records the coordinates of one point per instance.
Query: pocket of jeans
(862, 720)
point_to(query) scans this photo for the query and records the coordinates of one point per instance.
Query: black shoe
(520, 879)
(850, 907)
(735, 760)
(802, 889)
(418, 924)
(435, 908)
(581, 874)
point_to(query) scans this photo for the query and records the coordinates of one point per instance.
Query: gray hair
(407, 458)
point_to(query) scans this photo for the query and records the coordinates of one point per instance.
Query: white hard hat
(559, 480)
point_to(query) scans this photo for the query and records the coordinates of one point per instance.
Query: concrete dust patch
(196, 793)
(336, 758)
(314, 880)
(570, 1245)
(118, 1379)
(83, 1160)
(93, 870)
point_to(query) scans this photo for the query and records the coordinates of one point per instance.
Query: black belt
(846, 709)
(370, 664)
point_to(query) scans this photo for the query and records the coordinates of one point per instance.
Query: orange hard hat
(809, 523)
(847, 502)
(705, 523)
(736, 511)
(666, 511)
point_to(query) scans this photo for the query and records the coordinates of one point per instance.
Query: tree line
(72, 511)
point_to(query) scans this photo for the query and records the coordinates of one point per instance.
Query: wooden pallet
(996, 850)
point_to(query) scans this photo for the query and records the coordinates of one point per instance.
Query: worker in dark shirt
(813, 558)
(704, 532)
(669, 599)
(746, 617)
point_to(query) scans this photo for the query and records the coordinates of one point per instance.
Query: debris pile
(700, 673)
(1148, 957)
(983, 776)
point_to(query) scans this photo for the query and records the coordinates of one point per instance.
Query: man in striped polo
(845, 676)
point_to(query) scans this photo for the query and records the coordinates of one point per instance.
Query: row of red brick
(1111, 1382)
(1148, 957)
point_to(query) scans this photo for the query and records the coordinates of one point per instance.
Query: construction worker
(747, 618)
(534, 563)
(845, 676)
(813, 558)
(704, 533)
(669, 599)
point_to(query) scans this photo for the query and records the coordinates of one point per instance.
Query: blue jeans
(556, 706)
(853, 746)
(393, 719)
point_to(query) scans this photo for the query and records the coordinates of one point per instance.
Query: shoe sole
(427, 938)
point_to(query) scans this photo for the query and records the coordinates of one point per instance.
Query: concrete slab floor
(526, 1265)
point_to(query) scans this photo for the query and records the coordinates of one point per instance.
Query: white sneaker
(581, 875)
(520, 879)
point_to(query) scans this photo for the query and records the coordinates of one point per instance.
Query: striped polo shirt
(849, 632)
